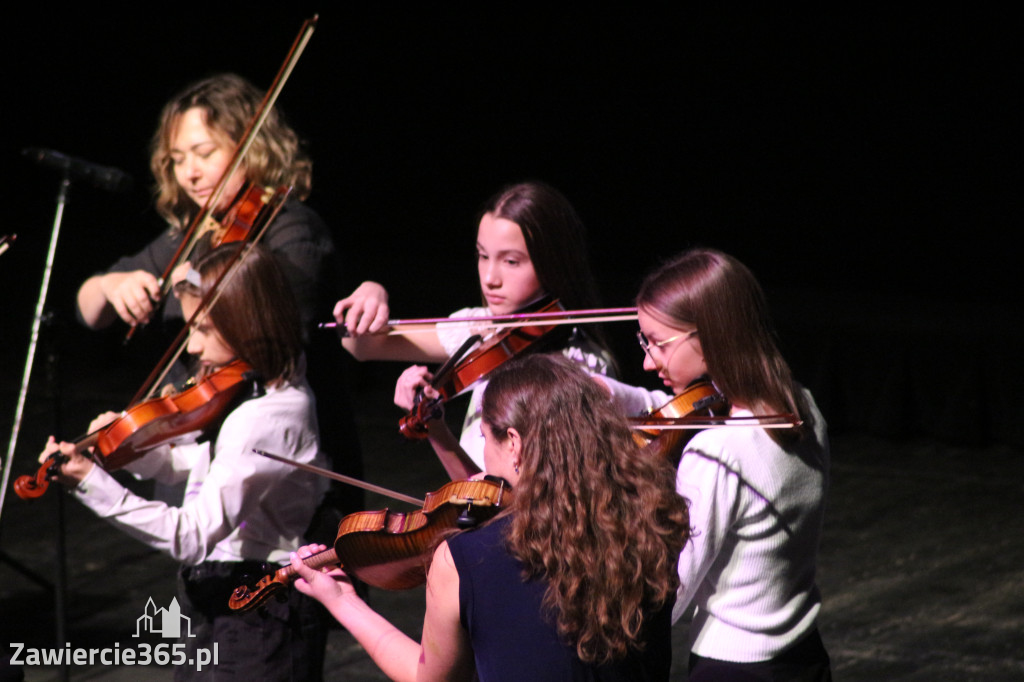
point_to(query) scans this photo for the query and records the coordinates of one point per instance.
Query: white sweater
(756, 511)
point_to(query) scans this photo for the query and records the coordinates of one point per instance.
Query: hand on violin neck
(328, 585)
(74, 466)
(307, 551)
(413, 381)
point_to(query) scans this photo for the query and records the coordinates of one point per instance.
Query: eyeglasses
(647, 345)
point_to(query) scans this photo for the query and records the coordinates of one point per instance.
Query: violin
(391, 550)
(252, 209)
(698, 407)
(153, 422)
(699, 398)
(474, 361)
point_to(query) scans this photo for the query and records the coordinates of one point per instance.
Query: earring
(515, 465)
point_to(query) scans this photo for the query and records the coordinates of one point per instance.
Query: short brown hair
(255, 312)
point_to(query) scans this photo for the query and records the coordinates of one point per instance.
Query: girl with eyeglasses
(756, 496)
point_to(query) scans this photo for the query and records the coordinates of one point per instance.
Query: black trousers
(807, 661)
(283, 640)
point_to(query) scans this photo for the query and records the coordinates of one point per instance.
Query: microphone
(104, 177)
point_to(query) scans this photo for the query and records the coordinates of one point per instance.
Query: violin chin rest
(465, 520)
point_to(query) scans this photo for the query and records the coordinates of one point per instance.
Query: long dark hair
(557, 243)
(228, 103)
(601, 524)
(721, 297)
(255, 313)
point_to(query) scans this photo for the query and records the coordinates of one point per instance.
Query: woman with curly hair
(575, 581)
(193, 146)
(756, 496)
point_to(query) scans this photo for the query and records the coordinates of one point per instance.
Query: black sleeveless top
(512, 641)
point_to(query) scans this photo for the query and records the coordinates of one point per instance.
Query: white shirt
(237, 505)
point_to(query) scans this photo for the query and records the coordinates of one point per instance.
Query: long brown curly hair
(228, 103)
(599, 523)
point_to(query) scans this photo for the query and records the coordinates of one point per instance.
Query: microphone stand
(59, 587)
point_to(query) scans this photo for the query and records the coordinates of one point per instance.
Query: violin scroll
(30, 487)
(414, 425)
(246, 597)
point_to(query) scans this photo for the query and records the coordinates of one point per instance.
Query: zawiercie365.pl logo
(167, 622)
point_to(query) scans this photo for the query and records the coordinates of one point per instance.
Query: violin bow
(429, 324)
(327, 473)
(768, 421)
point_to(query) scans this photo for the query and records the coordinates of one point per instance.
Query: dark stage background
(858, 161)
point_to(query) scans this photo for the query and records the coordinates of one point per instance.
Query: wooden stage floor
(922, 562)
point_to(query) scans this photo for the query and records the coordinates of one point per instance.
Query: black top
(511, 639)
(298, 237)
